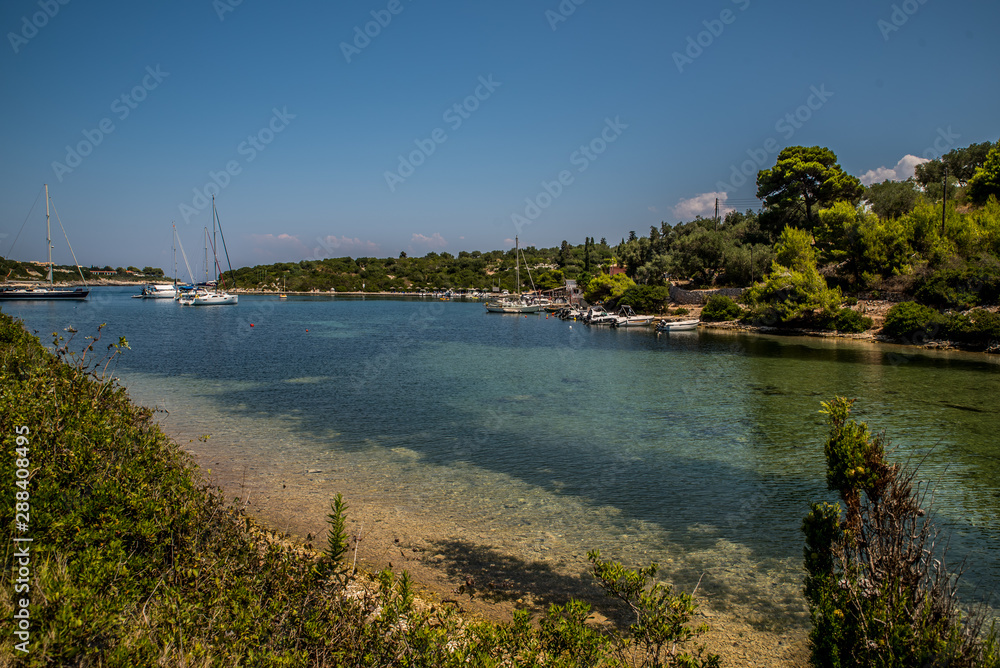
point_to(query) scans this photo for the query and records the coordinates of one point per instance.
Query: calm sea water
(699, 450)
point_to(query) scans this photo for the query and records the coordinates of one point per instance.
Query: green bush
(849, 321)
(720, 308)
(877, 594)
(979, 328)
(642, 298)
(961, 288)
(909, 320)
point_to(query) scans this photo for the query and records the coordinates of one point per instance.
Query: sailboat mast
(206, 255)
(173, 246)
(48, 231)
(517, 269)
(215, 268)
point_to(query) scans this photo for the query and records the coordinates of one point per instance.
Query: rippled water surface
(699, 450)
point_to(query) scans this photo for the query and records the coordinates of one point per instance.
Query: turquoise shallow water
(699, 450)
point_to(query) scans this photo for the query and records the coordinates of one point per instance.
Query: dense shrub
(977, 285)
(979, 328)
(878, 594)
(642, 298)
(720, 308)
(909, 320)
(850, 322)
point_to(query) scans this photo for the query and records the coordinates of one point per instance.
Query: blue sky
(573, 120)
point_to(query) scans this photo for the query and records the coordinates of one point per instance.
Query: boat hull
(214, 299)
(44, 295)
(678, 326)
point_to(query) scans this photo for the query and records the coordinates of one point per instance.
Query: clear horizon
(394, 125)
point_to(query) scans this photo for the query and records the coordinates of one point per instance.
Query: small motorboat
(628, 318)
(677, 325)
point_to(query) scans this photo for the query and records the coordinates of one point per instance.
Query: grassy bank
(133, 560)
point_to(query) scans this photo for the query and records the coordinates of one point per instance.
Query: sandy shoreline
(470, 566)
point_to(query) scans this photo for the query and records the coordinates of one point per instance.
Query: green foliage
(603, 287)
(337, 536)
(794, 250)
(892, 199)
(661, 617)
(642, 298)
(849, 321)
(793, 296)
(912, 321)
(978, 328)
(985, 183)
(720, 308)
(962, 164)
(974, 285)
(803, 180)
(877, 594)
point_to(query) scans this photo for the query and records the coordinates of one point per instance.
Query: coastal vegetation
(134, 560)
(878, 589)
(820, 243)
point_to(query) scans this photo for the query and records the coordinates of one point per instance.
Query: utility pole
(716, 213)
(944, 199)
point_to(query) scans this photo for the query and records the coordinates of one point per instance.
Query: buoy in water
(251, 324)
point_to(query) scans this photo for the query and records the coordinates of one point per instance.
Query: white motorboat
(512, 306)
(597, 315)
(627, 318)
(677, 325)
(158, 291)
(213, 298)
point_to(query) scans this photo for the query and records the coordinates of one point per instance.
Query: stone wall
(681, 296)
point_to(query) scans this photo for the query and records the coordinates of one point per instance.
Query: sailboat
(210, 295)
(33, 293)
(515, 303)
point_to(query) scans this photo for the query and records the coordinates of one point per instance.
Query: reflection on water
(700, 451)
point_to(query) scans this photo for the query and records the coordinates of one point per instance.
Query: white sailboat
(33, 293)
(515, 303)
(211, 295)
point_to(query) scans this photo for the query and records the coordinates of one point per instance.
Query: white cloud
(346, 245)
(652, 208)
(702, 205)
(903, 170)
(433, 241)
(269, 248)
